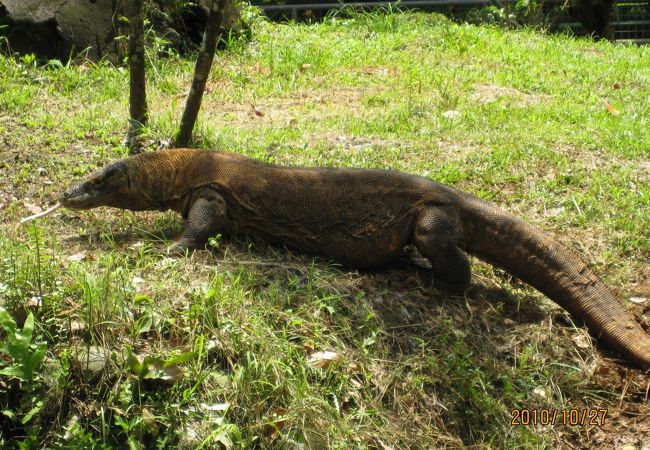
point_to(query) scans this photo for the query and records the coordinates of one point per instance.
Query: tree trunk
(595, 16)
(201, 72)
(138, 91)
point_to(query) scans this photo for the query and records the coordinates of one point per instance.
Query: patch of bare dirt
(310, 105)
(490, 93)
(643, 169)
(381, 71)
(593, 51)
(594, 159)
(356, 143)
(457, 151)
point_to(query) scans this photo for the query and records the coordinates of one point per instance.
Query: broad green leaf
(7, 322)
(13, 371)
(134, 364)
(144, 324)
(27, 417)
(180, 359)
(28, 330)
(33, 361)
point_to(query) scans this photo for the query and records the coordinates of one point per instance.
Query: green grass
(228, 334)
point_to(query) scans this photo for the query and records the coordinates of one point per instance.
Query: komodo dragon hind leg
(436, 237)
(206, 216)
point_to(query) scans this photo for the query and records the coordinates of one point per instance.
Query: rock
(58, 28)
(61, 28)
(92, 360)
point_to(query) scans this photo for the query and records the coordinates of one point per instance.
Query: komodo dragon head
(109, 186)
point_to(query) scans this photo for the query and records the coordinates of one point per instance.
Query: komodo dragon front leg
(206, 216)
(436, 236)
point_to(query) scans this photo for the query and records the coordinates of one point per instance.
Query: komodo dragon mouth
(76, 198)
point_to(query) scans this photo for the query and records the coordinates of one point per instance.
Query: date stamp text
(553, 416)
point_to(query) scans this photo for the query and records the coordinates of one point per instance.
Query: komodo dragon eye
(111, 176)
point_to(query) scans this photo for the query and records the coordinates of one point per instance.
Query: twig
(40, 214)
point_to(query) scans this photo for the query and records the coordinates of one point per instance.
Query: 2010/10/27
(546, 416)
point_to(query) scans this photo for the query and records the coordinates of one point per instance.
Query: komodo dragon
(361, 218)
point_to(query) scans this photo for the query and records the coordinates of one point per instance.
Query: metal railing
(631, 18)
(295, 8)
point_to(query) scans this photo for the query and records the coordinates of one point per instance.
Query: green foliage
(157, 368)
(26, 356)
(520, 13)
(382, 19)
(177, 7)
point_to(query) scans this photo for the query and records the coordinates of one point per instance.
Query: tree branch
(138, 90)
(201, 72)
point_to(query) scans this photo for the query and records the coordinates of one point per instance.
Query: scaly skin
(360, 218)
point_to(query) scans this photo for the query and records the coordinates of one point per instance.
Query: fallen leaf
(603, 370)
(451, 114)
(581, 341)
(78, 256)
(34, 209)
(304, 67)
(613, 111)
(215, 406)
(256, 111)
(355, 368)
(555, 212)
(540, 393)
(34, 302)
(260, 70)
(380, 71)
(76, 327)
(275, 423)
(385, 446)
(149, 421)
(174, 373)
(322, 360)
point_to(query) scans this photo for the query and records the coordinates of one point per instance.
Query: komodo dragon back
(360, 218)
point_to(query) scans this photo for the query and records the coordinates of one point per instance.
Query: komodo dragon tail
(536, 258)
